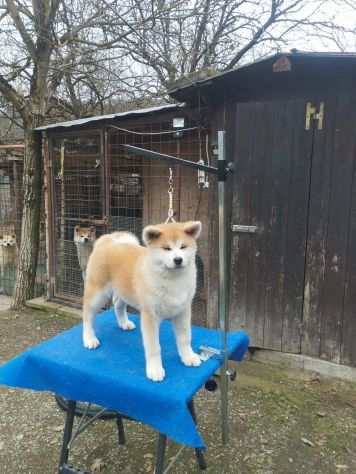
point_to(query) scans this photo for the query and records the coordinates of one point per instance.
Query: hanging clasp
(170, 217)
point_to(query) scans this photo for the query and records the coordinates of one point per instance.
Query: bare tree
(219, 34)
(51, 50)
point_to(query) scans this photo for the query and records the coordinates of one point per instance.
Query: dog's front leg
(150, 335)
(183, 330)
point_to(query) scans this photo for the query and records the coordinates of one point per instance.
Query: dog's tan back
(114, 262)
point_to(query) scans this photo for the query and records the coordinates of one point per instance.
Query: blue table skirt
(113, 375)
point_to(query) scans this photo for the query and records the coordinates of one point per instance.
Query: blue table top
(113, 375)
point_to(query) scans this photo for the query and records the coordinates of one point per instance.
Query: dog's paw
(127, 325)
(91, 342)
(192, 360)
(156, 374)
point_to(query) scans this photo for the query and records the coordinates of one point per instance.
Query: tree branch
(13, 10)
(15, 98)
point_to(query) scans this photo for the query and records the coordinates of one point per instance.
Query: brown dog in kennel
(84, 238)
(8, 252)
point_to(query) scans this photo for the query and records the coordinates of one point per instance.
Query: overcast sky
(340, 12)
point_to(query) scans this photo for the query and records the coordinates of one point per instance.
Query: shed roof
(302, 63)
(108, 117)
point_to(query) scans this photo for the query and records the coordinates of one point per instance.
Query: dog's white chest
(172, 298)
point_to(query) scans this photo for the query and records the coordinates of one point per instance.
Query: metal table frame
(72, 410)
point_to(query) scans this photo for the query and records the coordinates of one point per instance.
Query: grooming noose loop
(170, 217)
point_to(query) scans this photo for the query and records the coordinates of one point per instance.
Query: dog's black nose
(86, 239)
(178, 261)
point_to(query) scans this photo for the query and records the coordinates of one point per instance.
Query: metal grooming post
(222, 172)
(223, 313)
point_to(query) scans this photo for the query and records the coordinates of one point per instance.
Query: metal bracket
(207, 352)
(66, 469)
(245, 229)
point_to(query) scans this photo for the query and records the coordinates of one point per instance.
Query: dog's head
(8, 240)
(172, 246)
(84, 235)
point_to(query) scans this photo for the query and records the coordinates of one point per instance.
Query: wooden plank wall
(271, 191)
(293, 284)
(329, 304)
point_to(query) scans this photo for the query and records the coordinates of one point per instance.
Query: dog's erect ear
(76, 228)
(92, 230)
(150, 234)
(1, 237)
(193, 229)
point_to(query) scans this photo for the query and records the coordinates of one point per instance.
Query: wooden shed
(92, 182)
(290, 122)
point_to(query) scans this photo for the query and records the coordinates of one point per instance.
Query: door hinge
(312, 113)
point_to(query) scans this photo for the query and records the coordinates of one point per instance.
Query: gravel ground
(282, 421)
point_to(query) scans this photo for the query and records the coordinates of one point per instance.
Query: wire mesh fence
(99, 188)
(11, 174)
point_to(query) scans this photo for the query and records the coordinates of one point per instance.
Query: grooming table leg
(68, 427)
(198, 451)
(120, 429)
(161, 451)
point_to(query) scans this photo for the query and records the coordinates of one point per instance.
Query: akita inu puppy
(8, 254)
(84, 238)
(158, 279)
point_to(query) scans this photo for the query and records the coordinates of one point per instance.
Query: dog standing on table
(8, 254)
(158, 279)
(84, 238)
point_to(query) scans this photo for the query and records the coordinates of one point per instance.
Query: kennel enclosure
(92, 181)
(11, 195)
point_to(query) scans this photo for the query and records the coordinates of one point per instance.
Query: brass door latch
(312, 113)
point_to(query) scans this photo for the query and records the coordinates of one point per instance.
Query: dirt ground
(281, 422)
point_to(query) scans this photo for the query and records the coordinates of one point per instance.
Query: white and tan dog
(158, 279)
(84, 238)
(8, 254)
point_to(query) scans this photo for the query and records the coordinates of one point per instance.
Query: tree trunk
(29, 243)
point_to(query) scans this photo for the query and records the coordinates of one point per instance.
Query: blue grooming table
(113, 376)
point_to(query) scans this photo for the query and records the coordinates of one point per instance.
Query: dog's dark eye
(183, 246)
(167, 248)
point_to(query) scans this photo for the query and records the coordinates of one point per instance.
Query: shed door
(271, 191)
(78, 194)
(329, 323)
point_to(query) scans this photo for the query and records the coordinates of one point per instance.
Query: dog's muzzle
(178, 261)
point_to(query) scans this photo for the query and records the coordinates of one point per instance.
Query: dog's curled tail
(117, 238)
(124, 238)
